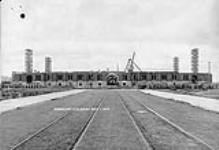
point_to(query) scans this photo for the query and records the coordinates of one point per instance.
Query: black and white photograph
(109, 75)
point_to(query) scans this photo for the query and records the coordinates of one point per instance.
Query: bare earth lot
(210, 93)
(110, 119)
(213, 93)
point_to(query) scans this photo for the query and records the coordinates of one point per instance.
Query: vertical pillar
(29, 61)
(176, 64)
(194, 60)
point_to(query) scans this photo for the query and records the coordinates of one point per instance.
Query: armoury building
(104, 79)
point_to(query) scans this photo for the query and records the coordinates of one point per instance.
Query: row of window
(99, 77)
(124, 77)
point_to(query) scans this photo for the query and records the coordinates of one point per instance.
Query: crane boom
(131, 64)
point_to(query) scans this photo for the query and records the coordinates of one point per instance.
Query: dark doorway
(91, 85)
(29, 79)
(194, 79)
(112, 79)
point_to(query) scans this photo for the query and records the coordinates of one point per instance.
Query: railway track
(136, 124)
(157, 115)
(74, 144)
(85, 127)
(20, 144)
(130, 105)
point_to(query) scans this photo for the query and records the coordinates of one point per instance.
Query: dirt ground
(210, 93)
(17, 125)
(112, 128)
(199, 122)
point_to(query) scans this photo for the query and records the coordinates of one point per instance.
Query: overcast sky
(96, 34)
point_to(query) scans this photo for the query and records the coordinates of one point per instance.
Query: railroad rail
(39, 131)
(136, 124)
(47, 126)
(85, 127)
(173, 125)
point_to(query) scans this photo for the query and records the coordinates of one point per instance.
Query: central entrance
(112, 79)
(29, 79)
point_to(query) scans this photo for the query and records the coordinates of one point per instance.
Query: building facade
(104, 79)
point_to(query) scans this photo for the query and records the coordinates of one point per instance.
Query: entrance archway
(112, 79)
(194, 78)
(29, 79)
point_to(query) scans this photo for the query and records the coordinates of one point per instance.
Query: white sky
(96, 34)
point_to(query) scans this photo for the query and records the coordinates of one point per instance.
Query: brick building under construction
(110, 79)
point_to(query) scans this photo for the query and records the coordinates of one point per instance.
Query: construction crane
(131, 65)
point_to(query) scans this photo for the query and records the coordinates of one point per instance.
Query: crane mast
(131, 65)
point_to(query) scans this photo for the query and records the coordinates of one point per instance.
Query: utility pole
(209, 71)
